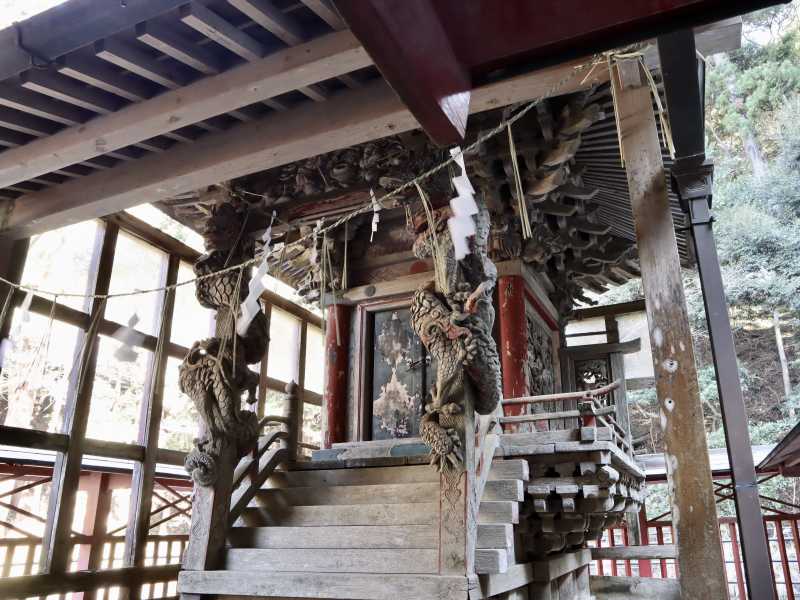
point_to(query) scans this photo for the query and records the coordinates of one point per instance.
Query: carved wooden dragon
(214, 374)
(455, 325)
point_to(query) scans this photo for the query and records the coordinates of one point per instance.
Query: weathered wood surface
(636, 588)
(333, 586)
(343, 560)
(372, 476)
(510, 469)
(498, 512)
(496, 535)
(242, 495)
(492, 560)
(702, 573)
(281, 72)
(504, 489)
(421, 513)
(83, 581)
(341, 536)
(515, 576)
(388, 493)
(350, 117)
(635, 552)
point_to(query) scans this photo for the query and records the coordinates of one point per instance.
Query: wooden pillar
(701, 569)
(337, 348)
(513, 339)
(149, 423)
(458, 512)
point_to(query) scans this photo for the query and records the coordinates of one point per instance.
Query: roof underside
(71, 76)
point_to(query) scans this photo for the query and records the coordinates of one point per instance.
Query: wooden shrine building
(442, 182)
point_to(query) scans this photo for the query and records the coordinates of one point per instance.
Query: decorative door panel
(400, 376)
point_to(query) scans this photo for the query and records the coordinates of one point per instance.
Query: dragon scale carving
(215, 374)
(455, 325)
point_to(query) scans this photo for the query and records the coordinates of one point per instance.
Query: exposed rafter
(350, 117)
(275, 74)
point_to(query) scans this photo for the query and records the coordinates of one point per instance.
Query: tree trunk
(787, 383)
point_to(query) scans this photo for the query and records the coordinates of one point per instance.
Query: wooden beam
(325, 10)
(67, 90)
(217, 29)
(702, 571)
(83, 581)
(70, 26)
(134, 60)
(412, 50)
(350, 117)
(166, 41)
(276, 74)
(40, 106)
(101, 76)
(149, 422)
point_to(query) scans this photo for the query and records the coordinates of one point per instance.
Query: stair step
(491, 562)
(363, 476)
(418, 560)
(348, 536)
(387, 493)
(504, 489)
(417, 513)
(498, 512)
(495, 536)
(510, 469)
(339, 586)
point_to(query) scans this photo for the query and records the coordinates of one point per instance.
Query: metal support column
(692, 180)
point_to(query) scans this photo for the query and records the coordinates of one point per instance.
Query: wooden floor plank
(390, 493)
(352, 536)
(422, 513)
(372, 560)
(330, 586)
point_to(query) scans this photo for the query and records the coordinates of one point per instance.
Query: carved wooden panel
(401, 376)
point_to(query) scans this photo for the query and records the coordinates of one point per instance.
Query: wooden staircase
(358, 533)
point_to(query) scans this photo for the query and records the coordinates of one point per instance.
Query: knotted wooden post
(702, 571)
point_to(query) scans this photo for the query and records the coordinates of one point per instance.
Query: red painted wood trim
(336, 372)
(541, 310)
(513, 339)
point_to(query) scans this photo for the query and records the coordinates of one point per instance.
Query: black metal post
(692, 180)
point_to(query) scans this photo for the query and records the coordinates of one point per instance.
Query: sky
(19, 10)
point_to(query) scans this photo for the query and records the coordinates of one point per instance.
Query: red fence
(783, 533)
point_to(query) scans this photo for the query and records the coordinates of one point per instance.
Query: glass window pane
(119, 387)
(315, 359)
(312, 424)
(36, 369)
(586, 326)
(190, 321)
(137, 266)
(179, 419)
(284, 346)
(62, 261)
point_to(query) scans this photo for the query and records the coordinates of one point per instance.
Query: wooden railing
(591, 410)
(613, 556)
(20, 557)
(216, 508)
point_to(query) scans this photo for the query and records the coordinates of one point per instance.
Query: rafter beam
(70, 26)
(200, 58)
(350, 117)
(273, 75)
(412, 50)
